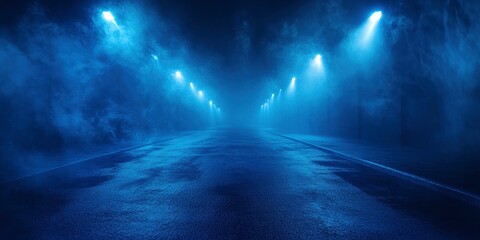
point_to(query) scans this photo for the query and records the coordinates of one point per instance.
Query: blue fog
(78, 84)
(410, 80)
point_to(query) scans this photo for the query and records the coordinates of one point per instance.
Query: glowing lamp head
(317, 62)
(369, 31)
(191, 85)
(273, 95)
(178, 75)
(200, 93)
(108, 16)
(317, 65)
(376, 16)
(154, 57)
(291, 87)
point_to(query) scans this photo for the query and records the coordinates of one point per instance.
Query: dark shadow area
(442, 211)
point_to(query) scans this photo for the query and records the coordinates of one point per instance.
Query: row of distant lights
(200, 93)
(108, 16)
(318, 63)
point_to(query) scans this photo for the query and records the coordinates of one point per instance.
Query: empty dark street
(227, 184)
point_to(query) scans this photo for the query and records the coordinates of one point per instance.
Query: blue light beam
(109, 18)
(368, 32)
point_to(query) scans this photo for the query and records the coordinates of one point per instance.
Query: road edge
(458, 194)
(91, 159)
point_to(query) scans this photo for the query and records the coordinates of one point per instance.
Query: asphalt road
(227, 184)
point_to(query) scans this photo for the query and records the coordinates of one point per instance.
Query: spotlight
(178, 75)
(108, 16)
(318, 60)
(376, 16)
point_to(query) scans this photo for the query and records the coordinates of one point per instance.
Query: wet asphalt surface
(227, 184)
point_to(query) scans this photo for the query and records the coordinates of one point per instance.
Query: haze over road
(227, 183)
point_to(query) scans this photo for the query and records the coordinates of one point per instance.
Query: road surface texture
(227, 184)
(432, 164)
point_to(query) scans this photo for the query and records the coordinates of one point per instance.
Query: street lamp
(317, 65)
(375, 17)
(291, 87)
(178, 75)
(318, 60)
(370, 27)
(108, 16)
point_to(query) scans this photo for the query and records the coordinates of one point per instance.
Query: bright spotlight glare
(318, 59)
(108, 16)
(291, 87)
(200, 93)
(155, 57)
(210, 102)
(376, 16)
(273, 95)
(178, 75)
(369, 30)
(316, 65)
(191, 85)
